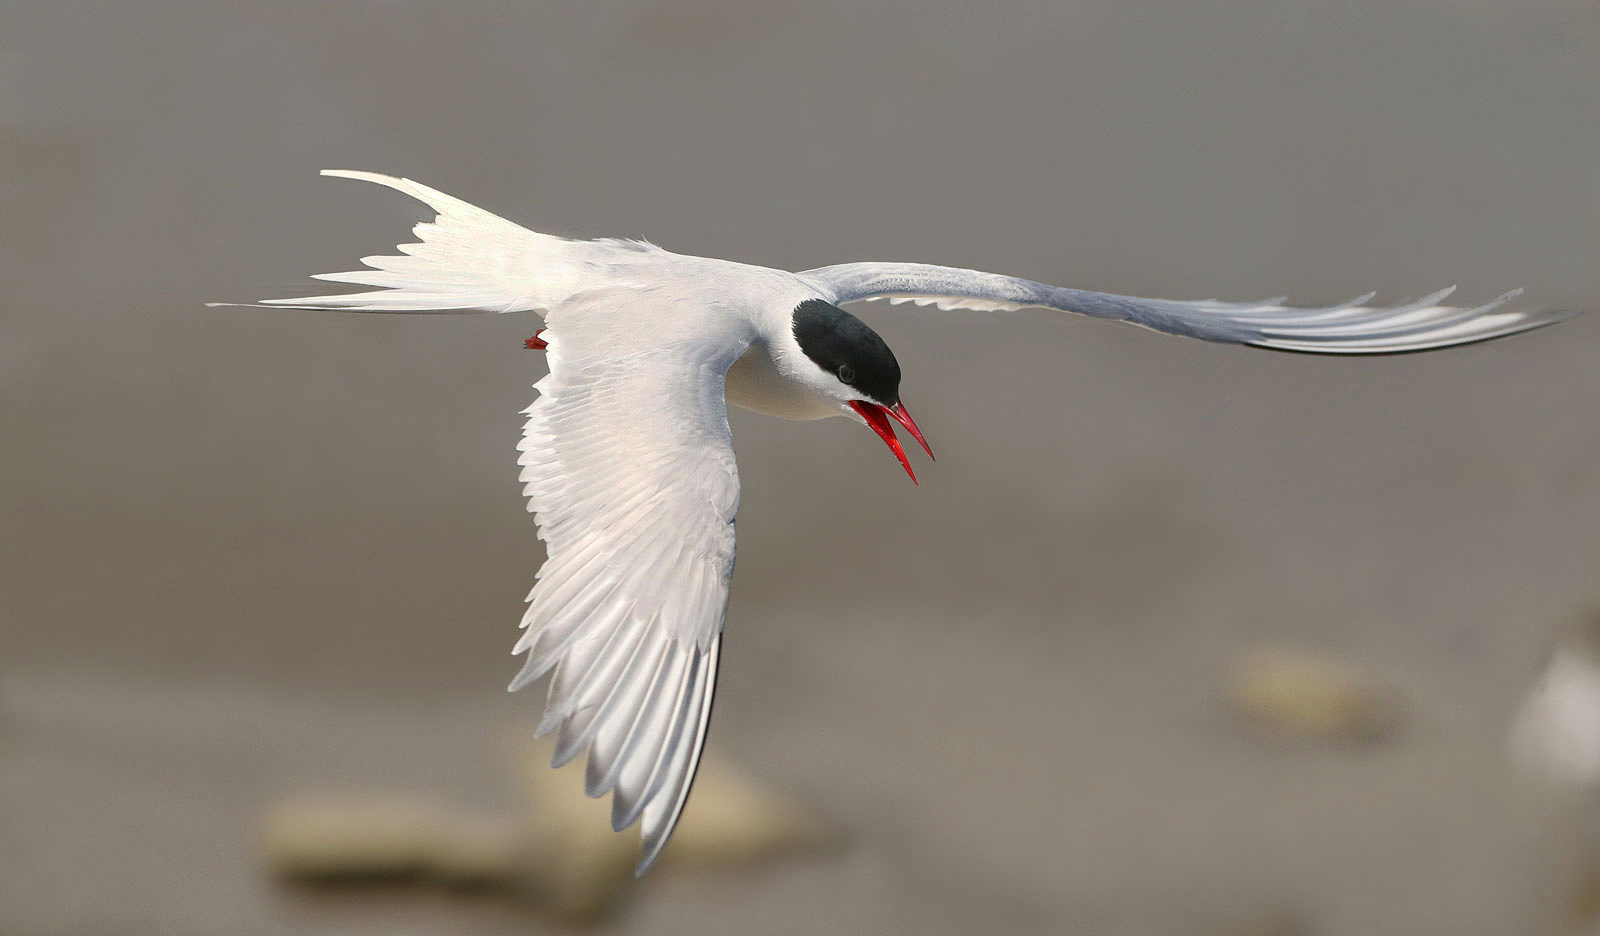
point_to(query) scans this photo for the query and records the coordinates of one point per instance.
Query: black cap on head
(844, 346)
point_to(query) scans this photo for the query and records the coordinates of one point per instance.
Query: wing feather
(665, 805)
(628, 466)
(1347, 328)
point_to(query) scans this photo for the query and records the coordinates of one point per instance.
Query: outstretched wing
(1348, 328)
(469, 260)
(628, 465)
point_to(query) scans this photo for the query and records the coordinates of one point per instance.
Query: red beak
(898, 411)
(877, 417)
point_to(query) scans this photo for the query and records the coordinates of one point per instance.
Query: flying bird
(627, 460)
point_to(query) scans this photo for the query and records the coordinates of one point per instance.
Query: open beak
(877, 419)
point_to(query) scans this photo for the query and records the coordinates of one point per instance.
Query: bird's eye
(847, 373)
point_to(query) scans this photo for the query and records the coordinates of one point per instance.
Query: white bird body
(627, 459)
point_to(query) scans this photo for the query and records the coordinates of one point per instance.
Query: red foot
(536, 343)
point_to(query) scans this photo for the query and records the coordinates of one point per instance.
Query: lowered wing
(628, 466)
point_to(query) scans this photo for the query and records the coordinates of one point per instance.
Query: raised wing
(1348, 328)
(469, 260)
(628, 465)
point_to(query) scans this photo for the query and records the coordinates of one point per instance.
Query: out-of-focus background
(249, 553)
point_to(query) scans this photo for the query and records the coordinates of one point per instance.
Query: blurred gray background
(249, 550)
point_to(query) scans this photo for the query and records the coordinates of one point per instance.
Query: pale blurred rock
(1555, 739)
(732, 820)
(584, 868)
(1556, 733)
(356, 835)
(1305, 697)
(558, 850)
(480, 851)
(579, 868)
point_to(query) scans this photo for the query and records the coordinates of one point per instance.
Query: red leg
(536, 343)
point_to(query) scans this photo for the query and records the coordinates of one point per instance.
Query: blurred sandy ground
(256, 551)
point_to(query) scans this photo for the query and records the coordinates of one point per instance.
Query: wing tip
(648, 859)
(1525, 322)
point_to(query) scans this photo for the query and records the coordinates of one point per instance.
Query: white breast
(755, 383)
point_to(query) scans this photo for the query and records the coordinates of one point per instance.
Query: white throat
(756, 383)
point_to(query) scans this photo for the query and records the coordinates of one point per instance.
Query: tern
(627, 459)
